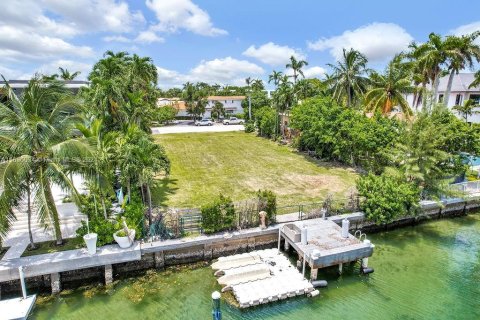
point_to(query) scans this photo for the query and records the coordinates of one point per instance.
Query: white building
(231, 104)
(459, 93)
(19, 85)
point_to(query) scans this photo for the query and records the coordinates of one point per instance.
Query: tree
(389, 89)
(476, 81)
(296, 66)
(275, 77)
(386, 198)
(348, 79)
(38, 127)
(66, 75)
(165, 114)
(195, 99)
(462, 52)
(467, 109)
(218, 110)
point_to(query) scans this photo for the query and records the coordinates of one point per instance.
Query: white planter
(91, 242)
(125, 242)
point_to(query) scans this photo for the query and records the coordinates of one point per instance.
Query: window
(475, 97)
(458, 100)
(440, 98)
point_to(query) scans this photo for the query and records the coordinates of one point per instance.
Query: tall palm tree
(348, 79)
(296, 66)
(66, 75)
(462, 53)
(275, 77)
(389, 89)
(38, 127)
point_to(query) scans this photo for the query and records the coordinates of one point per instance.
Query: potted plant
(90, 240)
(124, 237)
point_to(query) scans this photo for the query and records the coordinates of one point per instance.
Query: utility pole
(249, 106)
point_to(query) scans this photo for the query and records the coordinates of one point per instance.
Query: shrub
(134, 215)
(265, 120)
(386, 197)
(219, 215)
(249, 127)
(103, 228)
(267, 201)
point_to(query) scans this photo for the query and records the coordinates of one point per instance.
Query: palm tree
(467, 109)
(296, 66)
(218, 110)
(66, 75)
(476, 81)
(389, 89)
(348, 79)
(275, 77)
(462, 53)
(38, 127)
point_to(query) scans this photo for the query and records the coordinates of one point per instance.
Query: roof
(460, 83)
(220, 98)
(24, 83)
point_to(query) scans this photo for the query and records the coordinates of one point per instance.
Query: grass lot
(237, 164)
(50, 247)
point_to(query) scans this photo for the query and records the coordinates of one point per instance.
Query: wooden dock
(324, 246)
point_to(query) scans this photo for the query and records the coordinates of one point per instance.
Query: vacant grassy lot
(237, 164)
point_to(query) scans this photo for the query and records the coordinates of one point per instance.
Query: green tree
(348, 79)
(66, 75)
(467, 109)
(38, 127)
(165, 114)
(265, 119)
(386, 198)
(389, 89)
(195, 99)
(296, 66)
(275, 77)
(218, 110)
(462, 53)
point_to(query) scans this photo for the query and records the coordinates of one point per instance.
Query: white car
(233, 120)
(204, 122)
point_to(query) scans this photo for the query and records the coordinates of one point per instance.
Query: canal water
(429, 271)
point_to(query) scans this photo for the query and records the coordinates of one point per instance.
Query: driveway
(188, 127)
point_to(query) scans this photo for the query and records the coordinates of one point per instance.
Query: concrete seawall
(70, 269)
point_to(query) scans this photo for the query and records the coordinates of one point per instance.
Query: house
(176, 103)
(458, 95)
(231, 104)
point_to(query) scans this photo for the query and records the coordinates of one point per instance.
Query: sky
(218, 41)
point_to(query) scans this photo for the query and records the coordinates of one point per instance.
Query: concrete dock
(325, 245)
(16, 308)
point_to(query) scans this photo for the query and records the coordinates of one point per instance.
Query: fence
(469, 187)
(174, 223)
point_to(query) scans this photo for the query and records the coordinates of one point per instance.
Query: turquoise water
(430, 271)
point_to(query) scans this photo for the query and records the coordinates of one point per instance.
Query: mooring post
(340, 268)
(216, 312)
(279, 238)
(55, 283)
(22, 282)
(108, 274)
(314, 274)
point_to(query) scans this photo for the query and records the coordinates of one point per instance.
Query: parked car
(204, 122)
(233, 120)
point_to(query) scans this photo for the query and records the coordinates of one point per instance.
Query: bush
(165, 114)
(386, 197)
(103, 228)
(249, 127)
(134, 215)
(267, 201)
(265, 121)
(219, 215)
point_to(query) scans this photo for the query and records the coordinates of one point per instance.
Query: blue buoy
(216, 312)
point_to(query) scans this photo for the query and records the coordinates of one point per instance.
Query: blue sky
(217, 41)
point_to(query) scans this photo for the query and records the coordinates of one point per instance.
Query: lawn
(237, 164)
(50, 247)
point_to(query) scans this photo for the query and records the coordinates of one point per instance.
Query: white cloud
(148, 36)
(273, 54)
(173, 15)
(467, 29)
(314, 72)
(17, 44)
(116, 39)
(378, 41)
(94, 15)
(223, 71)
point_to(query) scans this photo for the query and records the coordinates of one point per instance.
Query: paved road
(188, 128)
